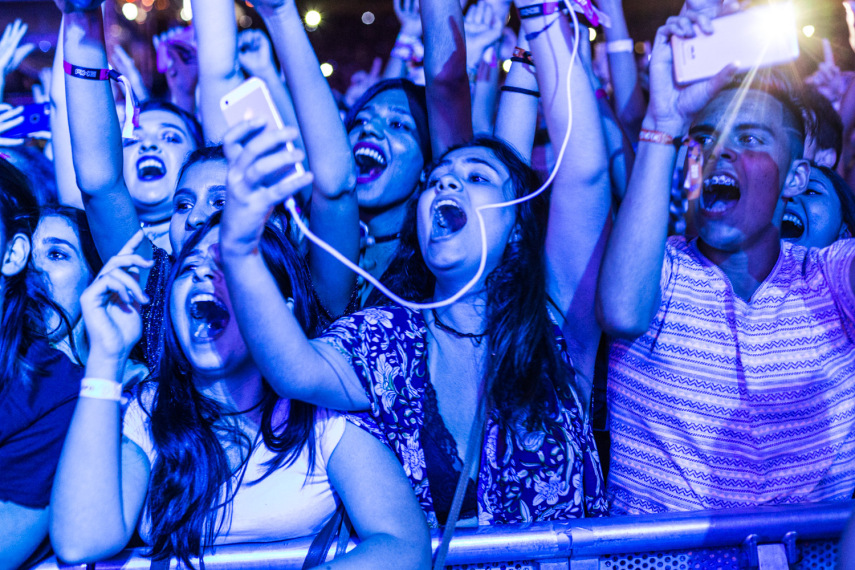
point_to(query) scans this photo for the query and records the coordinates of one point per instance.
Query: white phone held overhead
(758, 37)
(251, 100)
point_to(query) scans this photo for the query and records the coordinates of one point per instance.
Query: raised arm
(216, 40)
(66, 182)
(446, 79)
(293, 365)
(516, 119)
(628, 97)
(101, 482)
(581, 200)
(334, 211)
(96, 141)
(629, 285)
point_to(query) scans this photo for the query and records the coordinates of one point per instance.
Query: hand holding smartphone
(761, 36)
(251, 101)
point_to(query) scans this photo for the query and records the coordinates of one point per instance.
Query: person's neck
(747, 268)
(238, 391)
(467, 315)
(384, 222)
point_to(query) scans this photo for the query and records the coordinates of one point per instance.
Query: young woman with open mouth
(208, 454)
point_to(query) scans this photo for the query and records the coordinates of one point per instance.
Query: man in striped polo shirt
(731, 383)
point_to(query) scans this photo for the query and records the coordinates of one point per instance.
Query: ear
(826, 157)
(797, 179)
(16, 255)
(516, 234)
(290, 302)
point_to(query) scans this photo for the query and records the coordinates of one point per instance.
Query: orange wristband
(657, 137)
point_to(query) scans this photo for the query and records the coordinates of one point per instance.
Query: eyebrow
(706, 128)
(59, 241)
(396, 109)
(173, 126)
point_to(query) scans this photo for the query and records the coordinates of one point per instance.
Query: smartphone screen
(758, 37)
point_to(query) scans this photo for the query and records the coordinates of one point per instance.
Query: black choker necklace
(369, 240)
(477, 337)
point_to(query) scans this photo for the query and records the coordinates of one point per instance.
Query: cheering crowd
(574, 266)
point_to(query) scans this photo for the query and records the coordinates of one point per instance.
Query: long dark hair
(524, 367)
(186, 501)
(24, 298)
(843, 193)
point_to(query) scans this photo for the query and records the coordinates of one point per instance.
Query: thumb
(376, 67)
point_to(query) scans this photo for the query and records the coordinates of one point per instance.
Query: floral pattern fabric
(524, 476)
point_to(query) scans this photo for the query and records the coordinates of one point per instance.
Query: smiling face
(201, 192)
(386, 149)
(58, 257)
(152, 162)
(448, 229)
(747, 162)
(202, 314)
(814, 218)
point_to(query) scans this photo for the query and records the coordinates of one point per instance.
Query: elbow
(622, 319)
(93, 183)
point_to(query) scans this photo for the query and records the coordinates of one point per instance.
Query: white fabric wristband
(100, 389)
(620, 46)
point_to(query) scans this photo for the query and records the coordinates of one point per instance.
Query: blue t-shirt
(33, 424)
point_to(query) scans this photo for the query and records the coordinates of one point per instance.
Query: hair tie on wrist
(101, 389)
(521, 90)
(522, 56)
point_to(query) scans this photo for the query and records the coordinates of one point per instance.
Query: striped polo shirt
(724, 403)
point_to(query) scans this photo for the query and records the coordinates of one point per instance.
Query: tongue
(790, 230)
(368, 166)
(448, 220)
(719, 197)
(150, 172)
(210, 318)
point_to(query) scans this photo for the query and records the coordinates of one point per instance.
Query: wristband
(132, 108)
(620, 46)
(657, 137)
(521, 90)
(544, 9)
(100, 389)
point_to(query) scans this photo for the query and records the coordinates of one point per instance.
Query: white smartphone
(758, 37)
(251, 100)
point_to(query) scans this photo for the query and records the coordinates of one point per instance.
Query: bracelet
(513, 89)
(620, 46)
(522, 56)
(544, 9)
(100, 389)
(657, 137)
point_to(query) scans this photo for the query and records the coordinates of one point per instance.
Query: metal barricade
(802, 537)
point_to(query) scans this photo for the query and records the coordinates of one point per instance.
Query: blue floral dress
(524, 476)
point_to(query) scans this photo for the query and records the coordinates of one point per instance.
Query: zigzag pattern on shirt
(726, 403)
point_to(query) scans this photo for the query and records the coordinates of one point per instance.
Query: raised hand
(262, 174)
(110, 305)
(672, 106)
(255, 54)
(828, 79)
(483, 28)
(177, 58)
(10, 117)
(408, 15)
(11, 52)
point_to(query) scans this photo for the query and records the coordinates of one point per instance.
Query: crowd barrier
(802, 537)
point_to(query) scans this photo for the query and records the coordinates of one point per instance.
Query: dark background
(343, 40)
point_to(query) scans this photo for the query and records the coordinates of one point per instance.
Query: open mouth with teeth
(448, 218)
(150, 168)
(208, 316)
(792, 226)
(720, 192)
(370, 161)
